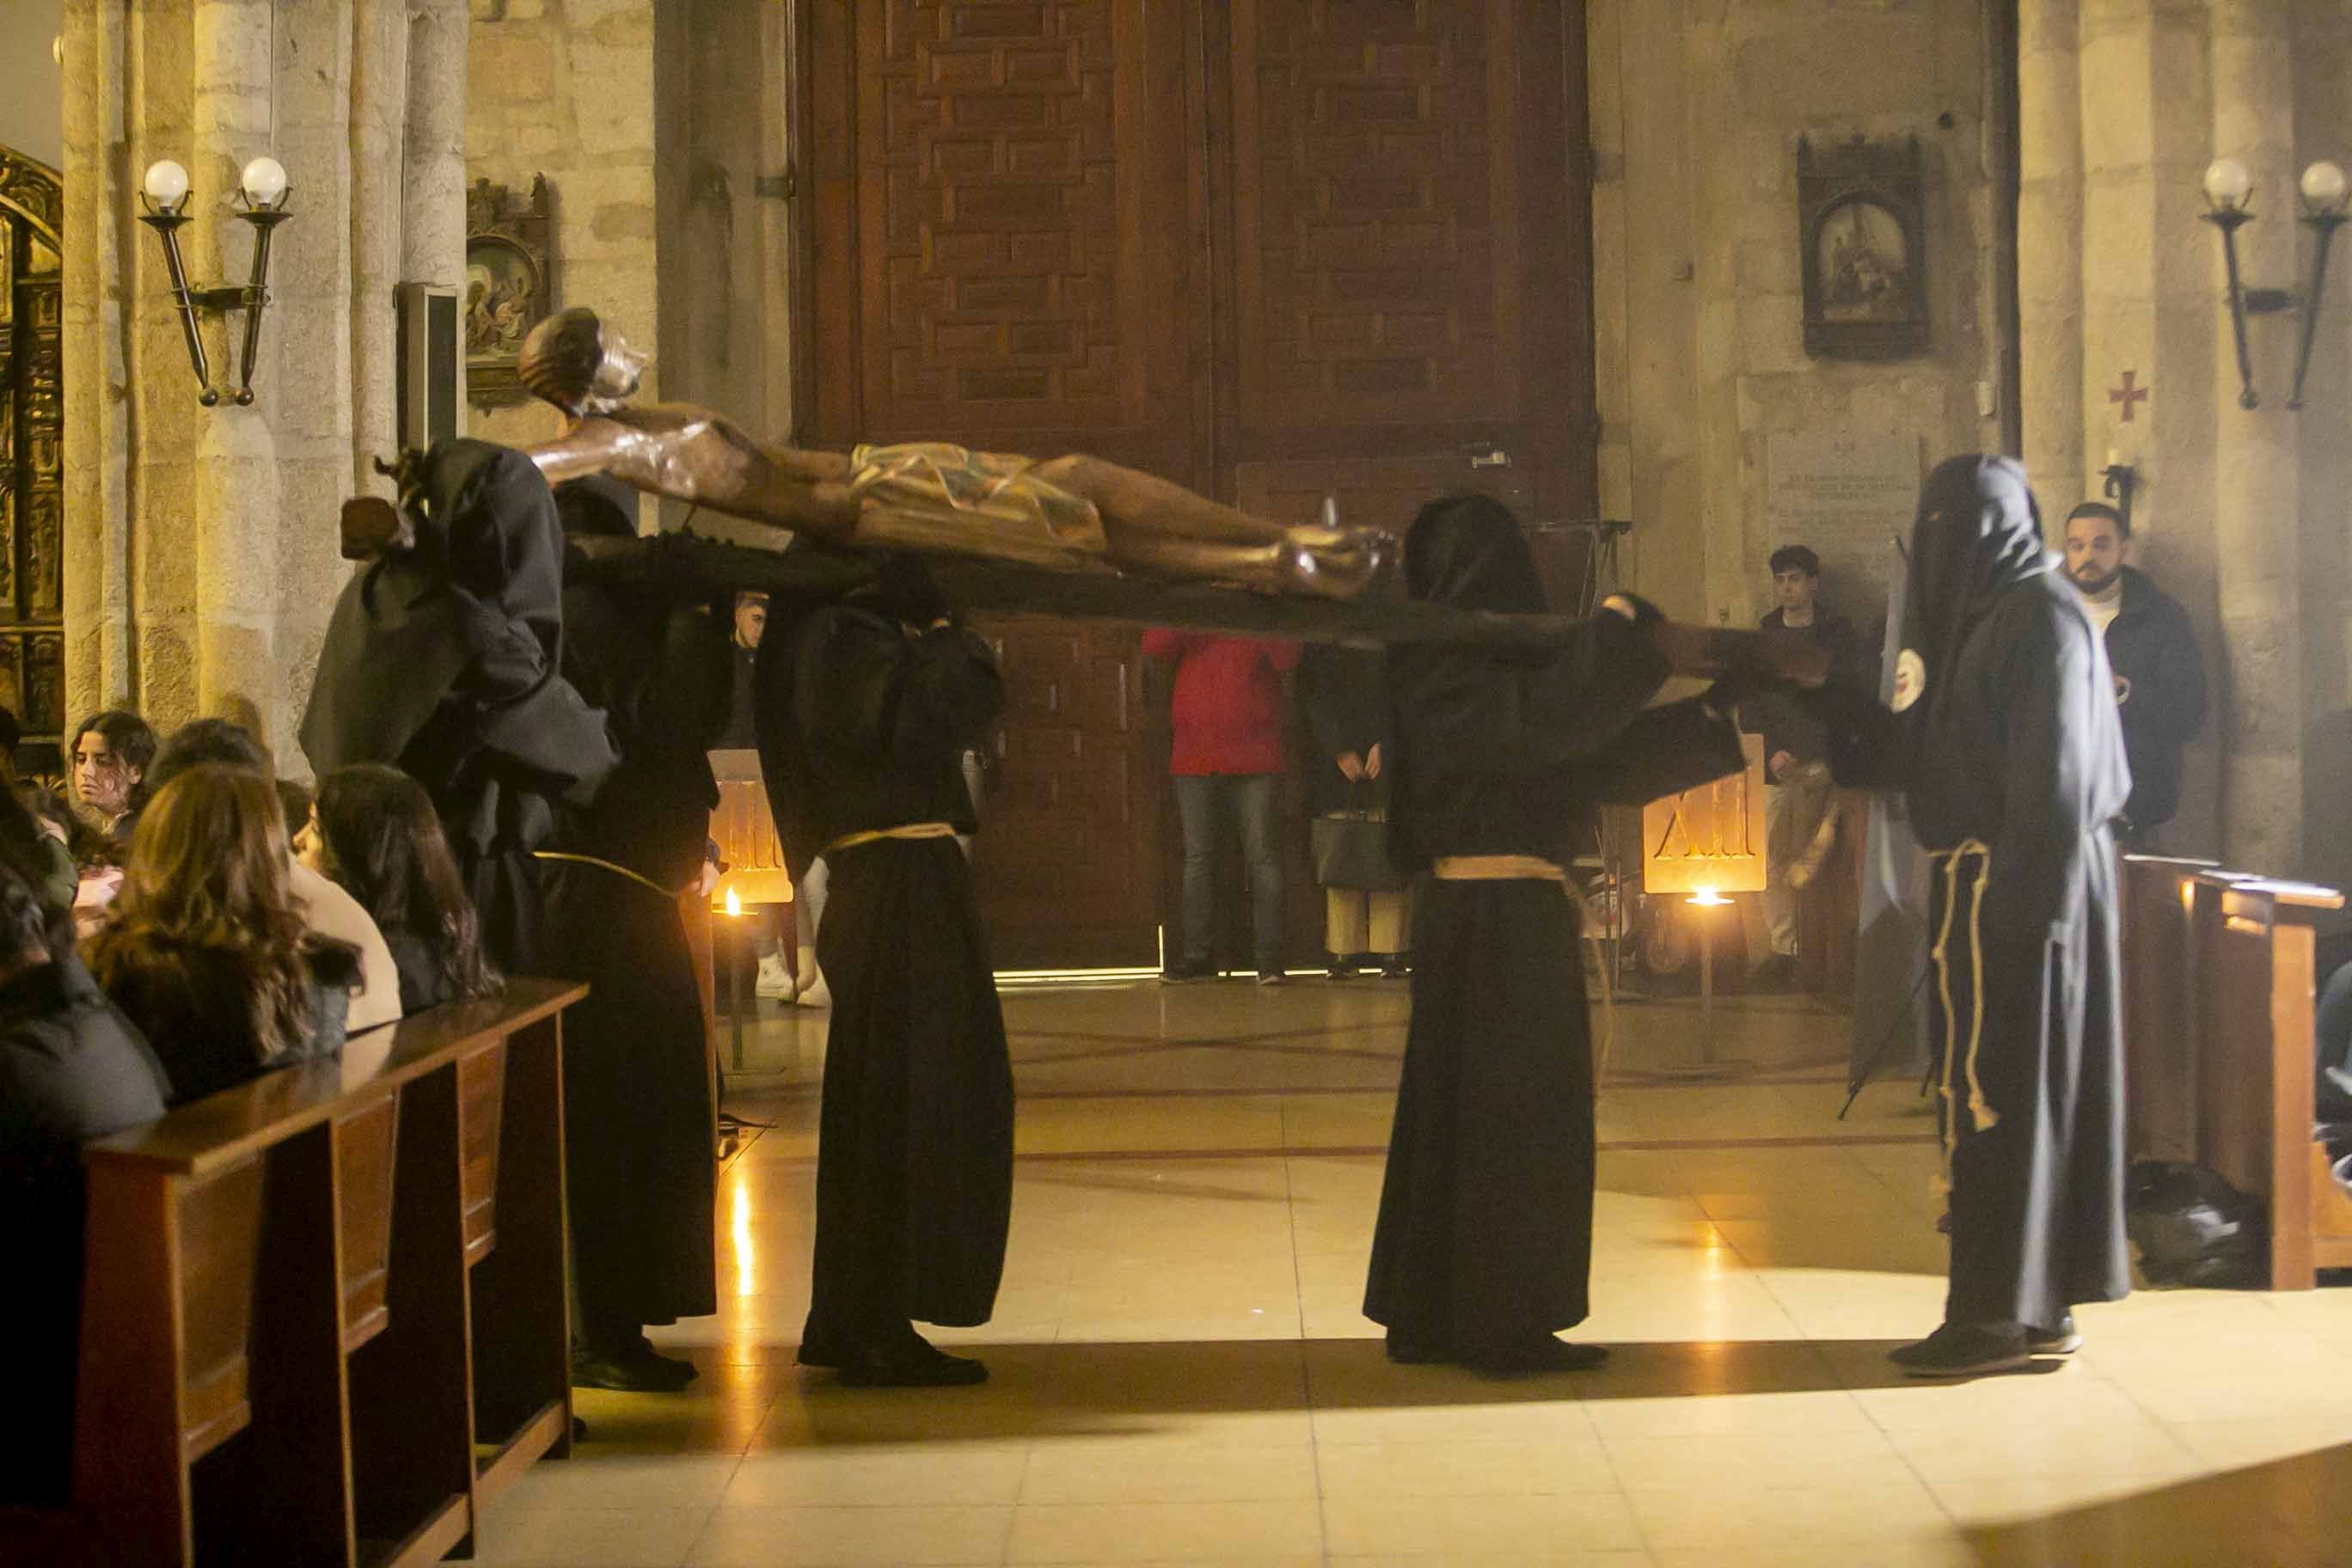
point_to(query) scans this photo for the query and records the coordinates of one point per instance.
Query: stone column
(2050, 237)
(2257, 494)
(201, 562)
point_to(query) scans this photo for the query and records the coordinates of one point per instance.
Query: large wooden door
(1274, 249)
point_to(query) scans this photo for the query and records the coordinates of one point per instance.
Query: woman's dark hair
(208, 875)
(25, 922)
(130, 738)
(294, 799)
(86, 844)
(384, 844)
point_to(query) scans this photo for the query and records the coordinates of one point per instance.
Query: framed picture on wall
(1861, 210)
(509, 286)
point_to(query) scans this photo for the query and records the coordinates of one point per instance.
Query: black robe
(639, 1122)
(1343, 697)
(861, 726)
(445, 661)
(2012, 758)
(1485, 1239)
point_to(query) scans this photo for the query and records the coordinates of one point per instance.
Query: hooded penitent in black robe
(862, 726)
(639, 1122)
(444, 660)
(2012, 758)
(1485, 1238)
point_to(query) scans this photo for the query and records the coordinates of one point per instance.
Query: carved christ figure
(1078, 513)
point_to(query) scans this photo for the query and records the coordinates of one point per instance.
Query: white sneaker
(813, 991)
(776, 981)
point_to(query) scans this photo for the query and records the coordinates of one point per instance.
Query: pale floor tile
(1143, 1532)
(1144, 1469)
(1497, 1560)
(515, 1535)
(1473, 1525)
(879, 1474)
(1182, 1372)
(852, 1537)
(1566, 1461)
(1829, 1514)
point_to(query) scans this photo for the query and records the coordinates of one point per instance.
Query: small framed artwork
(1860, 210)
(509, 287)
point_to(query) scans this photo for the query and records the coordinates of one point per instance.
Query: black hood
(1466, 551)
(1977, 533)
(489, 524)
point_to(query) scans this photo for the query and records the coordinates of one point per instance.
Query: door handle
(1488, 456)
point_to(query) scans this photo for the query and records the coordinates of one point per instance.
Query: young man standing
(2160, 675)
(1796, 782)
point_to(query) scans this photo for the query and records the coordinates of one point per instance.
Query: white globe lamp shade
(2324, 188)
(2228, 185)
(264, 182)
(166, 185)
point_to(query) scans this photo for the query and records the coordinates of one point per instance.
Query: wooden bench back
(243, 1256)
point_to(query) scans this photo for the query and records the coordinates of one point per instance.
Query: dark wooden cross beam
(693, 563)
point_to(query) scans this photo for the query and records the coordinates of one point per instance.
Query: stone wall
(31, 80)
(565, 88)
(1697, 108)
(2240, 511)
(201, 566)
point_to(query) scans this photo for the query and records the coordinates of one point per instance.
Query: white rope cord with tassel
(1982, 1118)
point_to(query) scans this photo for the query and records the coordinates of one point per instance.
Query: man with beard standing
(2159, 677)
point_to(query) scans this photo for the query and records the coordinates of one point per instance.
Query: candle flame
(1707, 897)
(734, 902)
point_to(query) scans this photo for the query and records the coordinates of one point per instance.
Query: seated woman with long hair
(375, 834)
(206, 950)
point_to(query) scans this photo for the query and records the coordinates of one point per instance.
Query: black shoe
(1774, 974)
(1184, 971)
(918, 1365)
(644, 1372)
(1963, 1349)
(1537, 1356)
(1411, 1349)
(1273, 977)
(2064, 1339)
(1341, 966)
(1395, 967)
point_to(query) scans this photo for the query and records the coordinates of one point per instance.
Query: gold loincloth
(940, 496)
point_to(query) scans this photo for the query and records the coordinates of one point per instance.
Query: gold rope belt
(1982, 1118)
(874, 834)
(648, 883)
(1496, 868)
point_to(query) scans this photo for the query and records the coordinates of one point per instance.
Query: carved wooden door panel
(1273, 249)
(1007, 254)
(1407, 294)
(32, 426)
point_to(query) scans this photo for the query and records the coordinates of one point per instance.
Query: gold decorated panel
(32, 433)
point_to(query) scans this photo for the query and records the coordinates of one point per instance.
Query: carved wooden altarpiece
(32, 431)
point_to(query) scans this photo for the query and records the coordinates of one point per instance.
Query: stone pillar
(2257, 492)
(2050, 237)
(201, 564)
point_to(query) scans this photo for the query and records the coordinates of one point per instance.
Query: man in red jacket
(1226, 715)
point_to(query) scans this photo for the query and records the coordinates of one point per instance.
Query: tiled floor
(1180, 1373)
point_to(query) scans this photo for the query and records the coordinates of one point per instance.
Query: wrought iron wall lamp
(261, 202)
(2325, 194)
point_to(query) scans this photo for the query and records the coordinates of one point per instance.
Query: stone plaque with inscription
(1846, 493)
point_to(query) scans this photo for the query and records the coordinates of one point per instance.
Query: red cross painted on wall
(2127, 395)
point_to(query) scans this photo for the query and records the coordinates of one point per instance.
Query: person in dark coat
(1343, 697)
(71, 1068)
(2160, 675)
(867, 703)
(373, 832)
(2005, 738)
(1485, 1239)
(640, 1126)
(446, 661)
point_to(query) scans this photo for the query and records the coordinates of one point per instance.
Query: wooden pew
(2220, 988)
(309, 1299)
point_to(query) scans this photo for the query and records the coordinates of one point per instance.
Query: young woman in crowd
(373, 831)
(206, 950)
(108, 763)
